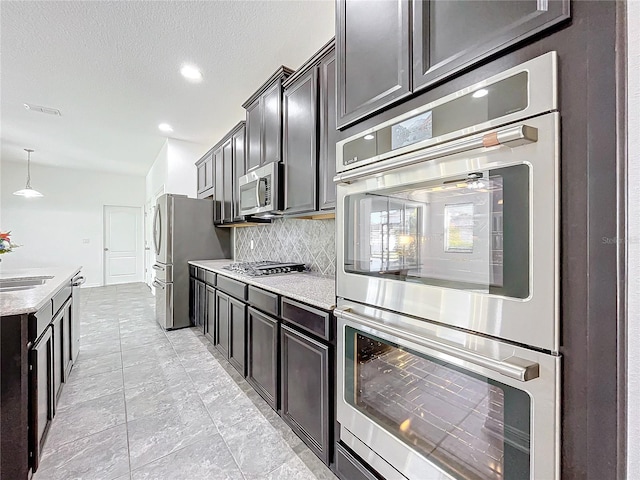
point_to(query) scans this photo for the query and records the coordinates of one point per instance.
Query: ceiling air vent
(40, 109)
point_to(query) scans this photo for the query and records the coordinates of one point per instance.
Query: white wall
(633, 243)
(52, 230)
(174, 168)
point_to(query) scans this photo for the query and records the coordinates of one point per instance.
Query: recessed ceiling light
(369, 137)
(483, 92)
(191, 72)
(165, 127)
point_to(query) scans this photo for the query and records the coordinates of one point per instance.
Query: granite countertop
(312, 288)
(29, 300)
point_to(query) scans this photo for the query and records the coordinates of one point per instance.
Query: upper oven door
(439, 403)
(469, 239)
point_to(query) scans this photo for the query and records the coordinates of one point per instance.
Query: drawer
(348, 467)
(232, 287)
(308, 318)
(39, 321)
(61, 297)
(210, 278)
(193, 271)
(200, 273)
(266, 301)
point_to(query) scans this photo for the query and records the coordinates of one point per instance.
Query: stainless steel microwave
(260, 190)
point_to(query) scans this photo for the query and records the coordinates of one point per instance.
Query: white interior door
(122, 245)
(149, 255)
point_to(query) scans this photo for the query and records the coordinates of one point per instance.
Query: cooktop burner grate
(265, 267)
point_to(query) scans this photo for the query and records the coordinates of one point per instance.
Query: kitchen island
(38, 335)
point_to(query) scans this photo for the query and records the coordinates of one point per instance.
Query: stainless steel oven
(450, 212)
(260, 190)
(423, 401)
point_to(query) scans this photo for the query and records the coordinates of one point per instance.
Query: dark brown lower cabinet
(209, 320)
(304, 370)
(202, 304)
(222, 323)
(193, 300)
(262, 355)
(58, 354)
(67, 335)
(41, 393)
(237, 334)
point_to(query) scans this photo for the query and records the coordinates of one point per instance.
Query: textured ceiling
(112, 69)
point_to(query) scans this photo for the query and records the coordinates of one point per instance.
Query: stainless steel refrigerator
(182, 230)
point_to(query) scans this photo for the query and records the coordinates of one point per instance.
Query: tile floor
(144, 404)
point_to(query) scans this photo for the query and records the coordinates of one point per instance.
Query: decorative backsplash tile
(290, 240)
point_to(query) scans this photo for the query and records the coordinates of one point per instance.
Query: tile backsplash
(290, 240)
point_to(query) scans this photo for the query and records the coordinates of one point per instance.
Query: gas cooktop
(266, 267)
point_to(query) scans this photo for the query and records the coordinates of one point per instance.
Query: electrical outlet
(85, 240)
(252, 245)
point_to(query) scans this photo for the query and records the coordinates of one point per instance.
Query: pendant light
(27, 191)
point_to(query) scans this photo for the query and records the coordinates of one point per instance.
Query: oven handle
(510, 137)
(512, 367)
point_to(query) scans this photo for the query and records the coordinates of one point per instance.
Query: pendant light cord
(29, 168)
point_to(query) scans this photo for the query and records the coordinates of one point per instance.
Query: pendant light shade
(28, 191)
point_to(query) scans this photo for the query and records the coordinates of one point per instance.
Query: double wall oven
(448, 323)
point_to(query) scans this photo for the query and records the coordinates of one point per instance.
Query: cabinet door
(272, 124)
(300, 144)
(237, 337)
(238, 143)
(222, 323)
(210, 317)
(41, 384)
(262, 355)
(218, 191)
(205, 176)
(67, 337)
(202, 304)
(227, 193)
(58, 354)
(328, 134)
(452, 35)
(193, 302)
(254, 129)
(373, 49)
(305, 389)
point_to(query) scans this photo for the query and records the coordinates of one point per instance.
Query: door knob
(106, 249)
(147, 248)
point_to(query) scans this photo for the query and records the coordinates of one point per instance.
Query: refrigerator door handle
(157, 226)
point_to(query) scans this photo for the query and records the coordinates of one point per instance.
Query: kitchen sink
(13, 284)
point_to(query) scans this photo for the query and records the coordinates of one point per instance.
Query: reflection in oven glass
(454, 418)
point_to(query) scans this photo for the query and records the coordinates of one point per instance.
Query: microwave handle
(512, 367)
(261, 192)
(510, 137)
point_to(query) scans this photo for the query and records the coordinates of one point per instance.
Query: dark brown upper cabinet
(204, 169)
(301, 142)
(309, 136)
(229, 165)
(264, 121)
(373, 44)
(451, 35)
(239, 167)
(218, 181)
(376, 40)
(328, 132)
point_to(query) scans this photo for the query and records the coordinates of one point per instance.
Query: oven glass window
(248, 196)
(468, 233)
(470, 426)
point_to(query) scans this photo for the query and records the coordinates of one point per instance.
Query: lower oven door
(429, 402)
